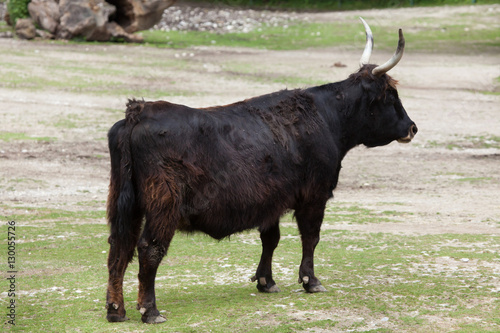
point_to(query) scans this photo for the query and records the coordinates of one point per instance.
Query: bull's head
(387, 119)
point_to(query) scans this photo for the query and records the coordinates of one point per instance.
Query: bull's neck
(340, 112)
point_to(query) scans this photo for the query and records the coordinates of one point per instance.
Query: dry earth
(434, 189)
(444, 190)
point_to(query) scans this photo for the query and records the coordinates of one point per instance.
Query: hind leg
(270, 239)
(151, 250)
(162, 207)
(121, 252)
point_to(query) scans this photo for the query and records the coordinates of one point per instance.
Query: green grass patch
(4, 27)
(145, 77)
(494, 93)
(448, 37)
(12, 183)
(292, 37)
(386, 282)
(26, 180)
(68, 122)
(337, 4)
(69, 82)
(75, 84)
(468, 142)
(50, 214)
(15, 136)
(475, 180)
(436, 37)
(464, 178)
(477, 142)
(101, 203)
(268, 75)
(339, 213)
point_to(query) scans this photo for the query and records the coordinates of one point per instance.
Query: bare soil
(437, 189)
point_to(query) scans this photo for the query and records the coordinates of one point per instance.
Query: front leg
(270, 239)
(309, 221)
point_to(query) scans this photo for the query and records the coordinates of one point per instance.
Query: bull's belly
(218, 224)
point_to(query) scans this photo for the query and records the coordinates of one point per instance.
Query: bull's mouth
(404, 140)
(411, 134)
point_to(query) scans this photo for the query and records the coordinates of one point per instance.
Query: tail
(123, 213)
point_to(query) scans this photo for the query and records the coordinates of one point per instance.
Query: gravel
(221, 20)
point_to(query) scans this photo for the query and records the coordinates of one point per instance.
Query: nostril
(413, 129)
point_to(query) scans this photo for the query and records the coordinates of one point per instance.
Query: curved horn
(380, 70)
(365, 57)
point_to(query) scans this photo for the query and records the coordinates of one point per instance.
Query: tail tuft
(134, 109)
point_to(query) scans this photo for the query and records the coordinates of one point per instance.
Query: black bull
(226, 169)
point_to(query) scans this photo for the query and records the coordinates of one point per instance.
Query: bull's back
(231, 172)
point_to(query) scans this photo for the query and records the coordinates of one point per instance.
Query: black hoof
(115, 318)
(116, 313)
(315, 289)
(266, 285)
(154, 319)
(272, 289)
(151, 315)
(311, 285)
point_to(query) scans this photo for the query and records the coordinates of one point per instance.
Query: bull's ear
(380, 70)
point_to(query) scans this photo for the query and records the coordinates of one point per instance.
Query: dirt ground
(437, 189)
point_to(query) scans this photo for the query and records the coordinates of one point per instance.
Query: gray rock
(118, 32)
(45, 13)
(136, 15)
(44, 34)
(25, 29)
(84, 18)
(77, 19)
(90, 19)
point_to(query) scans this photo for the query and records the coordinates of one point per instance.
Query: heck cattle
(226, 169)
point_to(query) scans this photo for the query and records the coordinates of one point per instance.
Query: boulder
(80, 18)
(25, 28)
(136, 15)
(97, 20)
(45, 13)
(118, 32)
(43, 34)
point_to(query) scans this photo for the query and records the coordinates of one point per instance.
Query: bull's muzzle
(411, 134)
